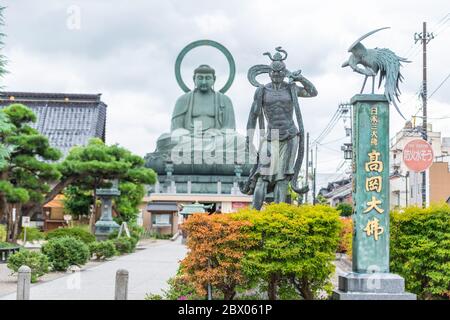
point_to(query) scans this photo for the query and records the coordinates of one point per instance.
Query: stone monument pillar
(371, 279)
(106, 224)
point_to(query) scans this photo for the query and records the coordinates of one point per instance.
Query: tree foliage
(283, 249)
(420, 250)
(345, 209)
(3, 61)
(295, 247)
(346, 237)
(5, 150)
(77, 201)
(93, 166)
(217, 245)
(26, 176)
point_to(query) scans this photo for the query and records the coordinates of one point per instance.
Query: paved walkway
(149, 269)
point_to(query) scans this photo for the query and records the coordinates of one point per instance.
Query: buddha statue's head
(204, 78)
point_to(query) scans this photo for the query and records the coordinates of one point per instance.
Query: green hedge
(420, 250)
(125, 244)
(7, 245)
(37, 262)
(75, 232)
(296, 249)
(66, 251)
(103, 249)
(32, 234)
(345, 209)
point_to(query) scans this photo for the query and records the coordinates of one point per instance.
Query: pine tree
(28, 171)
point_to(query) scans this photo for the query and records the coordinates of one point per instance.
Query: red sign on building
(418, 155)
(239, 205)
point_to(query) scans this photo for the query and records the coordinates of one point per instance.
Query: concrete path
(149, 269)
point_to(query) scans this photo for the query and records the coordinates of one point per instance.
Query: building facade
(67, 120)
(406, 185)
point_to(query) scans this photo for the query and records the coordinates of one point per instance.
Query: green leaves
(5, 128)
(37, 262)
(284, 249)
(26, 174)
(66, 251)
(13, 194)
(96, 163)
(297, 244)
(19, 115)
(420, 250)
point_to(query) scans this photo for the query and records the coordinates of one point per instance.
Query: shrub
(6, 245)
(157, 235)
(75, 232)
(295, 245)
(66, 251)
(179, 289)
(37, 262)
(32, 234)
(2, 232)
(345, 209)
(152, 296)
(346, 237)
(420, 250)
(102, 249)
(217, 244)
(125, 244)
(135, 231)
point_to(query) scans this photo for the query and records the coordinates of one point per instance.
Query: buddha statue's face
(204, 81)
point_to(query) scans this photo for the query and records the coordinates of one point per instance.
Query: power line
(331, 124)
(442, 22)
(328, 127)
(331, 149)
(330, 160)
(332, 141)
(439, 86)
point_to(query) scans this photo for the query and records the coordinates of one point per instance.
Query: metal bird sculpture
(384, 61)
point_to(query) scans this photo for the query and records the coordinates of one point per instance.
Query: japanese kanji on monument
(370, 279)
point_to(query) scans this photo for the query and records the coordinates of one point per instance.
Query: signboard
(26, 223)
(124, 227)
(239, 205)
(370, 184)
(418, 155)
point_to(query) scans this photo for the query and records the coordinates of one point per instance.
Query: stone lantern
(106, 225)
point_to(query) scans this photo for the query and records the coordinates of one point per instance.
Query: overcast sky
(126, 50)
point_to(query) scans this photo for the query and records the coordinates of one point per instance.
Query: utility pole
(307, 166)
(424, 37)
(315, 177)
(406, 189)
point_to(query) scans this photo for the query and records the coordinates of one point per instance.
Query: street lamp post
(406, 188)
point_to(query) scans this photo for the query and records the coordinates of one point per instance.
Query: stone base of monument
(372, 286)
(103, 228)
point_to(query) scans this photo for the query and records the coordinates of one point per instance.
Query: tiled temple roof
(66, 119)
